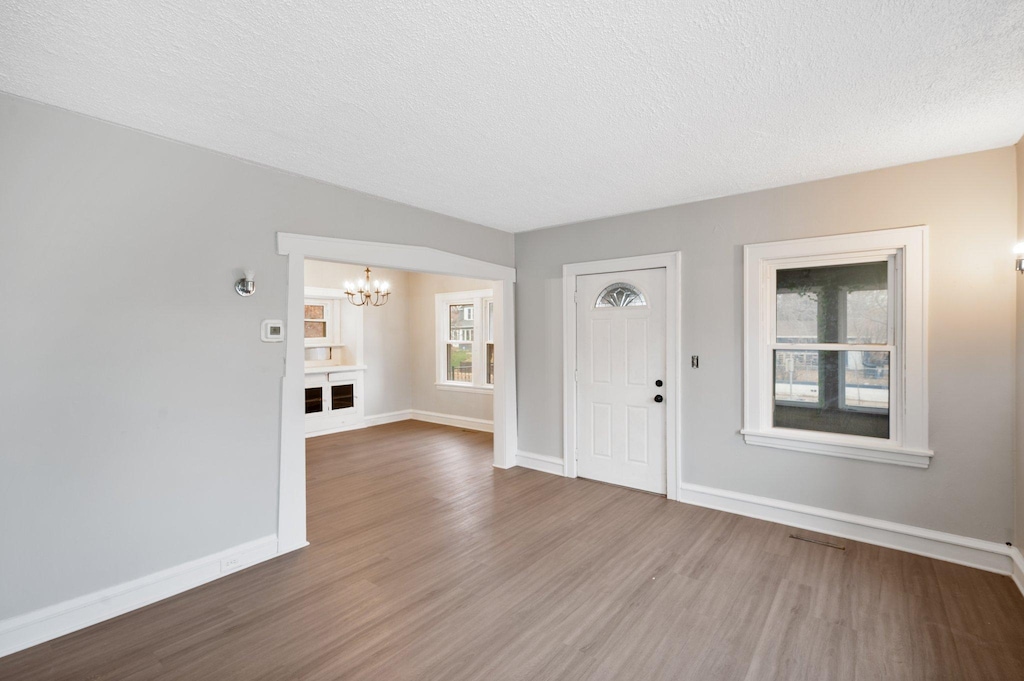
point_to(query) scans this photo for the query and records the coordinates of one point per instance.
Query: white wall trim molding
(391, 256)
(673, 263)
(46, 624)
(952, 548)
(467, 422)
(291, 523)
(388, 417)
(540, 462)
(976, 553)
(456, 421)
(1018, 568)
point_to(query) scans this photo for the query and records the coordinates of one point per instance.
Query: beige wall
(970, 203)
(385, 334)
(426, 396)
(400, 342)
(1019, 538)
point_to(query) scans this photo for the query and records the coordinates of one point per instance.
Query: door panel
(620, 335)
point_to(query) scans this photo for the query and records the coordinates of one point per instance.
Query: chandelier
(364, 293)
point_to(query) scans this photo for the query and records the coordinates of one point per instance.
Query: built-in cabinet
(334, 400)
(333, 331)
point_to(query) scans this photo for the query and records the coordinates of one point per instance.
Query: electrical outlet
(229, 564)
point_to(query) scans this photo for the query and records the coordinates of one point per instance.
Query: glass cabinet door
(314, 400)
(342, 396)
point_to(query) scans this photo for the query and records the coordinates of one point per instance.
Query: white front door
(620, 362)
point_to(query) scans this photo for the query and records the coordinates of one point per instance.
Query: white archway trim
(291, 525)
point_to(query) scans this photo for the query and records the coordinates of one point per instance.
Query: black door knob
(659, 383)
(659, 398)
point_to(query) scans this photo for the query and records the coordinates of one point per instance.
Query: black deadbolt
(659, 398)
(659, 383)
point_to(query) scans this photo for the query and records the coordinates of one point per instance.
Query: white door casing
(620, 354)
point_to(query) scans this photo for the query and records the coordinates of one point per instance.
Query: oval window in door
(621, 294)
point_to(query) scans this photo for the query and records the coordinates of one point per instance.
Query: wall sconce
(246, 286)
(1018, 250)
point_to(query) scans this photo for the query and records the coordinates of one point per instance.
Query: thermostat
(272, 331)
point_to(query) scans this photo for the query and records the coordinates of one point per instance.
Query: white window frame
(478, 300)
(907, 251)
(332, 318)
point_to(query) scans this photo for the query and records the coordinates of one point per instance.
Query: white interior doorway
(298, 248)
(622, 371)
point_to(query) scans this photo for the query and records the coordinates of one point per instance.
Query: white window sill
(466, 388)
(853, 449)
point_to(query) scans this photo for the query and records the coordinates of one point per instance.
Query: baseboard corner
(1017, 573)
(540, 462)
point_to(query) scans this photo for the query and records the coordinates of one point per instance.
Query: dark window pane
(834, 304)
(314, 400)
(832, 391)
(460, 362)
(342, 396)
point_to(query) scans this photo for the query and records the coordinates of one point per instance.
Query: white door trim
(291, 519)
(672, 262)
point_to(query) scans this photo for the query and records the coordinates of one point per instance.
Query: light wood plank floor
(427, 563)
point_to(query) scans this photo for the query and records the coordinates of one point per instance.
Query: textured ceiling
(520, 114)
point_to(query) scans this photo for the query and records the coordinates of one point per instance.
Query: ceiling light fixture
(364, 293)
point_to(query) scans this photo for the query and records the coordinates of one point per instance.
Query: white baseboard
(45, 624)
(977, 553)
(540, 462)
(1018, 568)
(389, 417)
(466, 422)
(338, 429)
(416, 415)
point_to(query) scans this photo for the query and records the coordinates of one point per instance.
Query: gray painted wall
(969, 202)
(139, 412)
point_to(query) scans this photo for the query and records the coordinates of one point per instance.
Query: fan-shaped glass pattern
(621, 294)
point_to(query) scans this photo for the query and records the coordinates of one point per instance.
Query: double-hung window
(465, 340)
(835, 346)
